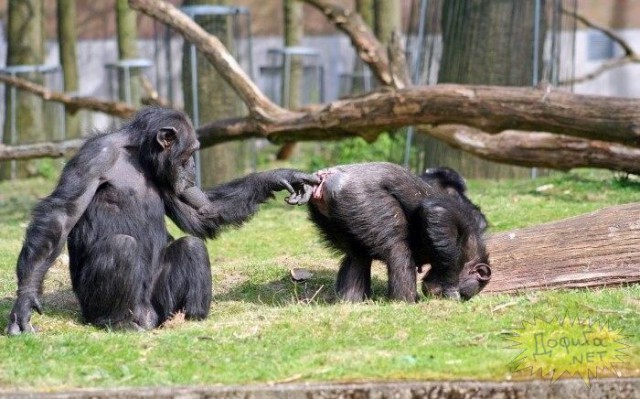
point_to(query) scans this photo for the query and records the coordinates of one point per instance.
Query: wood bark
(598, 249)
(128, 49)
(23, 122)
(365, 9)
(216, 98)
(39, 150)
(213, 49)
(67, 40)
(72, 103)
(538, 149)
(362, 37)
(491, 109)
(292, 91)
(387, 19)
(488, 42)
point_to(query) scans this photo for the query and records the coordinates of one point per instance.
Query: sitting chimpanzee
(381, 211)
(110, 206)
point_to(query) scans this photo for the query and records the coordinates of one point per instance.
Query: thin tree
(127, 50)
(23, 122)
(361, 80)
(216, 99)
(293, 34)
(387, 18)
(67, 39)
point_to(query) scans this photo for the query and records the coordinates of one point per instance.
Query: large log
(598, 249)
(491, 109)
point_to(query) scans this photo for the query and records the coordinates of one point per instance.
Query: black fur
(381, 211)
(451, 181)
(110, 205)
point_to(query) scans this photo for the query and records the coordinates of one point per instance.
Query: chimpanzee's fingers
(306, 195)
(37, 306)
(23, 322)
(287, 186)
(13, 328)
(293, 199)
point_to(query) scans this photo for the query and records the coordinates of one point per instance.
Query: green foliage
(388, 147)
(48, 168)
(264, 328)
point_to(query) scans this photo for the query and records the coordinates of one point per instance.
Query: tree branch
(490, 109)
(607, 66)
(629, 57)
(538, 149)
(363, 39)
(608, 32)
(40, 150)
(213, 49)
(72, 104)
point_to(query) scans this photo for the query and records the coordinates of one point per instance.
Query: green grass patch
(263, 328)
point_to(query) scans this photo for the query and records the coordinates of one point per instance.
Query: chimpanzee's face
(473, 277)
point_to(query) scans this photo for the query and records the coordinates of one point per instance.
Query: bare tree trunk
(293, 34)
(362, 79)
(388, 17)
(484, 42)
(365, 9)
(216, 99)
(23, 122)
(67, 39)
(597, 249)
(128, 49)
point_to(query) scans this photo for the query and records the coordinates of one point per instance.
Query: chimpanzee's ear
(482, 272)
(166, 136)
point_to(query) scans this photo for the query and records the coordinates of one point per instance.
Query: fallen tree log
(597, 249)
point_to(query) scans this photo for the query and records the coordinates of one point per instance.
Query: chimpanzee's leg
(401, 270)
(110, 285)
(185, 282)
(354, 278)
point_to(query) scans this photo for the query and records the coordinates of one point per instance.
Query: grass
(263, 328)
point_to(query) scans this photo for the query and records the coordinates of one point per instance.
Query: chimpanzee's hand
(298, 184)
(21, 313)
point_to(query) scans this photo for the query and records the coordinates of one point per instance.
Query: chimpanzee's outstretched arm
(52, 220)
(234, 202)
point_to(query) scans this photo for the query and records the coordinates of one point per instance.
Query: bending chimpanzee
(381, 211)
(110, 205)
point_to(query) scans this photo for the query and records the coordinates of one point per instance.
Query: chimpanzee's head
(472, 279)
(167, 143)
(458, 256)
